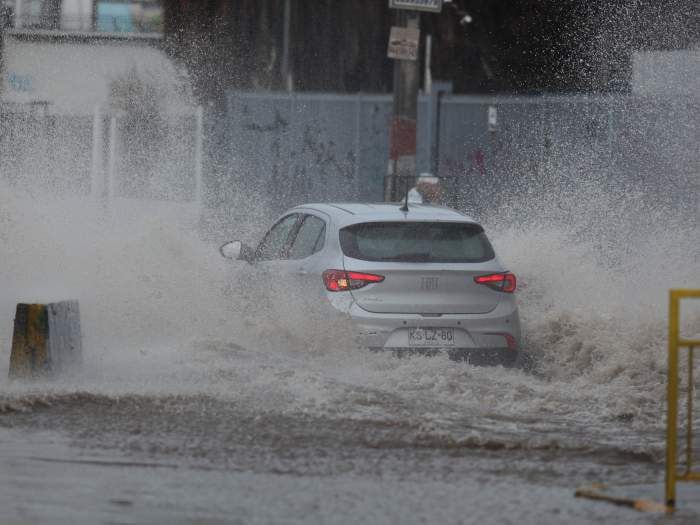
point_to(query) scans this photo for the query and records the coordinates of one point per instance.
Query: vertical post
(672, 395)
(112, 161)
(689, 422)
(295, 124)
(286, 70)
(18, 14)
(402, 135)
(427, 74)
(198, 154)
(435, 166)
(430, 115)
(610, 139)
(97, 167)
(358, 123)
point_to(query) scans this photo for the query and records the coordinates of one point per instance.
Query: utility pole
(402, 134)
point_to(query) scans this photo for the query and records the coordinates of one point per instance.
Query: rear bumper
(498, 330)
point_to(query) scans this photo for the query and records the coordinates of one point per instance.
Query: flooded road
(192, 407)
(223, 434)
(134, 459)
(302, 485)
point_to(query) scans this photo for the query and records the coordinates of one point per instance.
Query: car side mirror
(232, 250)
(237, 250)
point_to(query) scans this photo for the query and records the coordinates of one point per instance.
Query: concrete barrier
(46, 340)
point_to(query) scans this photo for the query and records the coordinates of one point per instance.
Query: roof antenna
(404, 208)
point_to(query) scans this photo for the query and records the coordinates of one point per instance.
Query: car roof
(346, 213)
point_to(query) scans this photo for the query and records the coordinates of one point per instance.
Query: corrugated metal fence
(285, 149)
(282, 149)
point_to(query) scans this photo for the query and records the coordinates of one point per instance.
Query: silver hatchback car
(424, 280)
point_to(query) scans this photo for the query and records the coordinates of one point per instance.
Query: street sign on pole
(492, 118)
(403, 43)
(432, 6)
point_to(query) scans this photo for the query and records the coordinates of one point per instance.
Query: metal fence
(281, 149)
(268, 151)
(40, 151)
(286, 148)
(102, 156)
(641, 144)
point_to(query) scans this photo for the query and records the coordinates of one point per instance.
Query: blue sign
(20, 82)
(114, 17)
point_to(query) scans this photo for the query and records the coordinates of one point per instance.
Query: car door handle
(301, 271)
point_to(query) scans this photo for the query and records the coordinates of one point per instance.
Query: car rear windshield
(416, 242)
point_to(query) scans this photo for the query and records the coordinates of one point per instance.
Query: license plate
(431, 337)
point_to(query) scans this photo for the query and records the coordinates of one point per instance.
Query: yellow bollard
(46, 339)
(30, 355)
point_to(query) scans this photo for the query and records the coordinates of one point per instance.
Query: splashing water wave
(160, 327)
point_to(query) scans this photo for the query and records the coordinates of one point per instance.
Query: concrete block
(46, 340)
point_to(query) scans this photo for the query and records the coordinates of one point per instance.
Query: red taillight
(503, 282)
(340, 280)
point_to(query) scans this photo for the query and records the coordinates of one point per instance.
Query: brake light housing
(511, 342)
(502, 282)
(342, 281)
